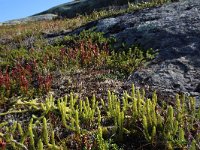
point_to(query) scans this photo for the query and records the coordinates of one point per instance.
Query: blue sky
(15, 9)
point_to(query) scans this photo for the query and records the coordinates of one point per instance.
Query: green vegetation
(105, 124)
(32, 72)
(18, 33)
(31, 118)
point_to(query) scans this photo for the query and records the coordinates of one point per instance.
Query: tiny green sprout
(93, 101)
(19, 127)
(99, 116)
(138, 94)
(135, 109)
(43, 107)
(14, 127)
(133, 91)
(193, 145)
(153, 134)
(87, 103)
(148, 111)
(143, 94)
(65, 99)
(102, 103)
(178, 102)
(71, 101)
(159, 121)
(170, 114)
(53, 139)
(45, 131)
(3, 124)
(154, 98)
(145, 127)
(154, 117)
(40, 145)
(175, 126)
(181, 135)
(30, 130)
(192, 105)
(77, 122)
(169, 146)
(12, 143)
(80, 106)
(100, 139)
(125, 104)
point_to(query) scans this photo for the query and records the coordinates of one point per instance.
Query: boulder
(77, 7)
(174, 31)
(31, 19)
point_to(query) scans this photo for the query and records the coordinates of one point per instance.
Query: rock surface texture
(74, 8)
(30, 19)
(174, 30)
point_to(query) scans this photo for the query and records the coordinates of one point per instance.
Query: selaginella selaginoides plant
(115, 120)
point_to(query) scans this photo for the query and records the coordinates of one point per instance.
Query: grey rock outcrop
(30, 19)
(174, 30)
(74, 8)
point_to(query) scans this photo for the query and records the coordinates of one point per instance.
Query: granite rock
(79, 7)
(173, 30)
